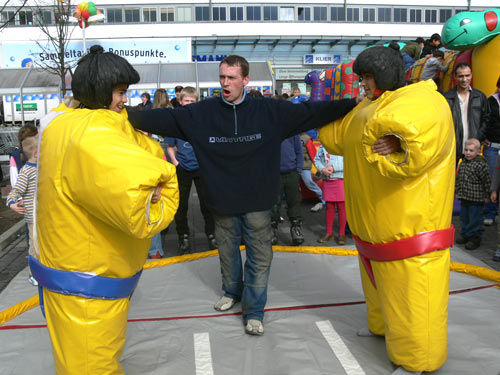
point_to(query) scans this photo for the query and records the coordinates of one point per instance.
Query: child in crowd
(22, 194)
(472, 187)
(332, 171)
(433, 64)
(18, 157)
(188, 172)
(495, 185)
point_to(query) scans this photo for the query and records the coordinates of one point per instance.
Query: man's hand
(156, 194)
(494, 196)
(18, 207)
(387, 144)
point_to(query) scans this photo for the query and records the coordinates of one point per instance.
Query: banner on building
(136, 51)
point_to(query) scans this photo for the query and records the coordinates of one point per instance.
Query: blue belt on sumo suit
(80, 283)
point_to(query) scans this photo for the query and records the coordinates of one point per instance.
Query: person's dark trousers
(185, 179)
(491, 208)
(471, 219)
(290, 186)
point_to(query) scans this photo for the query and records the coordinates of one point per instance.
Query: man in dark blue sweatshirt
(237, 140)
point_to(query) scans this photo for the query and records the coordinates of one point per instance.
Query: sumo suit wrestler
(399, 207)
(98, 205)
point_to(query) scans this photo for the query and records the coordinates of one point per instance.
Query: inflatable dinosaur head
(385, 64)
(467, 30)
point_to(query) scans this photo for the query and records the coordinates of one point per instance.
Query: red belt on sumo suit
(409, 247)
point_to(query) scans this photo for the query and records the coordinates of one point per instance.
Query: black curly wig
(97, 73)
(385, 64)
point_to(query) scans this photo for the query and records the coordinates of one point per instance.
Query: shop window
(167, 14)
(236, 13)
(132, 15)
(400, 15)
(320, 13)
(149, 14)
(415, 15)
(253, 13)
(384, 14)
(287, 14)
(353, 14)
(25, 17)
(444, 15)
(430, 16)
(219, 13)
(304, 13)
(369, 14)
(270, 13)
(184, 14)
(337, 14)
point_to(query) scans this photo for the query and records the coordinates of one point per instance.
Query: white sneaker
(317, 207)
(225, 303)
(365, 332)
(401, 371)
(254, 327)
(488, 222)
(32, 281)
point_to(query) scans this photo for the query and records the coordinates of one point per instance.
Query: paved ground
(13, 257)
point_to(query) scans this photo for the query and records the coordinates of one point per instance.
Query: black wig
(385, 64)
(97, 73)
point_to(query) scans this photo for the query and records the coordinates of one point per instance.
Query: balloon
(91, 4)
(92, 10)
(78, 8)
(77, 13)
(84, 6)
(99, 12)
(85, 14)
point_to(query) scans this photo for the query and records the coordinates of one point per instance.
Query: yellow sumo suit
(399, 207)
(95, 220)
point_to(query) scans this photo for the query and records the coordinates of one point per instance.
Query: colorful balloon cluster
(84, 11)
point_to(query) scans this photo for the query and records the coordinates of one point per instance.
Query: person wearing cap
(176, 102)
(103, 191)
(399, 207)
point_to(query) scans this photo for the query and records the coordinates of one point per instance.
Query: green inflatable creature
(467, 30)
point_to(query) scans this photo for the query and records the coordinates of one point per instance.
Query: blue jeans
(490, 208)
(248, 285)
(156, 245)
(471, 219)
(311, 185)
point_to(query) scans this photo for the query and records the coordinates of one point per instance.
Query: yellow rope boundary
(469, 269)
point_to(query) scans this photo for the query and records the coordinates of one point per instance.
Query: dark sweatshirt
(238, 145)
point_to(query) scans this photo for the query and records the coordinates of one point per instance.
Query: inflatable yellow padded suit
(395, 197)
(95, 217)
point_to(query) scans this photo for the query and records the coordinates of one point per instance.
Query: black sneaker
(473, 243)
(212, 242)
(274, 238)
(184, 243)
(460, 240)
(296, 232)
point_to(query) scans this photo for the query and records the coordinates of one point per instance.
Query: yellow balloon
(84, 6)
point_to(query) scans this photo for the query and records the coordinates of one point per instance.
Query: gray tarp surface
(177, 331)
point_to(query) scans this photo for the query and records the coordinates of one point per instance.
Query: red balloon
(81, 22)
(85, 14)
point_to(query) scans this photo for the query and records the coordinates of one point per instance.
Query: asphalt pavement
(13, 256)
